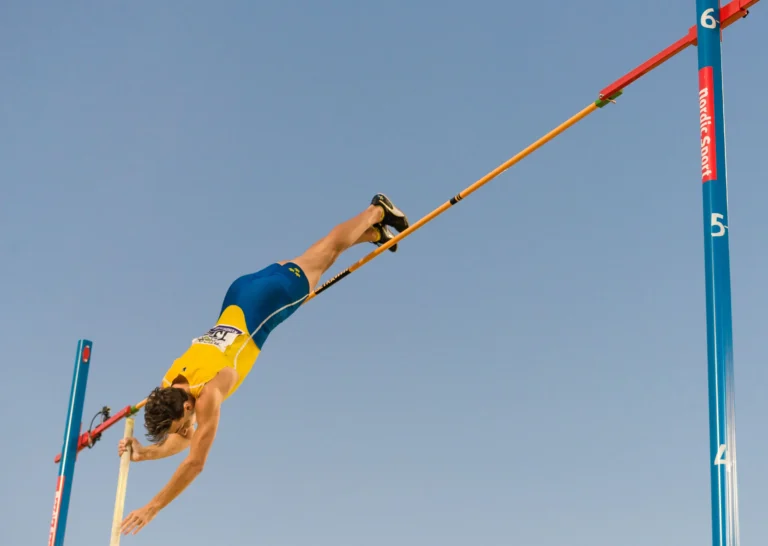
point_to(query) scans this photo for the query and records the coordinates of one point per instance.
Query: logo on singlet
(220, 336)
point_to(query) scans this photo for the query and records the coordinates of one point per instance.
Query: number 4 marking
(716, 223)
(722, 456)
(707, 19)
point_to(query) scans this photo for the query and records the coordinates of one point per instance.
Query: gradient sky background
(530, 368)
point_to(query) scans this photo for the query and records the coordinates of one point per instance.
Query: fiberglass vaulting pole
(722, 443)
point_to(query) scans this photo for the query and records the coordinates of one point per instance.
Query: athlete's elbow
(195, 465)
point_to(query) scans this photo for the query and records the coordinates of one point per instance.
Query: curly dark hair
(164, 405)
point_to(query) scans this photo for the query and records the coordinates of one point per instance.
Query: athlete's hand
(137, 519)
(136, 448)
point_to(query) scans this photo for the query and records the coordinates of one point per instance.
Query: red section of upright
(729, 14)
(56, 507)
(707, 125)
(86, 438)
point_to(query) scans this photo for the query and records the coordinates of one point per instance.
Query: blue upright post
(69, 449)
(722, 448)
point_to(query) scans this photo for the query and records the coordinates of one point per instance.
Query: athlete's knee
(322, 254)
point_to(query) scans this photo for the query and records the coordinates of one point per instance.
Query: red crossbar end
(729, 14)
(733, 11)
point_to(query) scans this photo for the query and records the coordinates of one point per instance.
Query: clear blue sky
(529, 368)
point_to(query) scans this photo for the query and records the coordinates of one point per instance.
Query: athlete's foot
(393, 216)
(383, 236)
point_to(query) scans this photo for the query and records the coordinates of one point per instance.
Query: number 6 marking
(707, 19)
(720, 226)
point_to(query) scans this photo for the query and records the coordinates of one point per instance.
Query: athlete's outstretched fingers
(137, 519)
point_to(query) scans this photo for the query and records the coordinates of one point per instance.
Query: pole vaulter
(730, 13)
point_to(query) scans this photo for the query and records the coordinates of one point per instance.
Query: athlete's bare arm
(207, 410)
(173, 444)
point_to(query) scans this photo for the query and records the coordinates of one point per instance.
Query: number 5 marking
(719, 225)
(707, 19)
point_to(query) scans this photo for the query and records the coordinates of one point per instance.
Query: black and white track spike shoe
(393, 216)
(385, 235)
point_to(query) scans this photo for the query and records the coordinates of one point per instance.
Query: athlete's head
(168, 410)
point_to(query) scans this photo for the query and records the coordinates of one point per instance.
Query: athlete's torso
(227, 344)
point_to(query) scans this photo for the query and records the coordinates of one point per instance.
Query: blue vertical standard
(69, 449)
(722, 449)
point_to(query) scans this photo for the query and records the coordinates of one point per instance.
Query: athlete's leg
(369, 226)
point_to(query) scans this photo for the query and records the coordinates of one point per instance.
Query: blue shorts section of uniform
(268, 297)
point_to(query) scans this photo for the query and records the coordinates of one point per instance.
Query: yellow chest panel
(227, 344)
